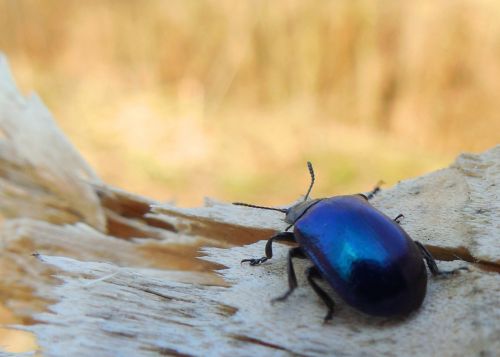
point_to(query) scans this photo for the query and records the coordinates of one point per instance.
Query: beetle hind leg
(373, 192)
(292, 278)
(431, 262)
(313, 273)
(283, 236)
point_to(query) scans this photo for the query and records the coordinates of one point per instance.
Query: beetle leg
(313, 273)
(431, 262)
(292, 278)
(398, 218)
(283, 236)
(375, 190)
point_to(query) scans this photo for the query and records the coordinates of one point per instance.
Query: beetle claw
(281, 298)
(254, 261)
(452, 272)
(275, 300)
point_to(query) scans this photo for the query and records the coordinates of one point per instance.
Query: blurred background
(178, 100)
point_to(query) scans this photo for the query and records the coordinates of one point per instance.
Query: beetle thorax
(296, 211)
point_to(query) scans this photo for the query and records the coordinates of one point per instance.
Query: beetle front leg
(292, 278)
(431, 262)
(283, 236)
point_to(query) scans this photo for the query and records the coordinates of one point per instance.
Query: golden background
(182, 99)
(179, 100)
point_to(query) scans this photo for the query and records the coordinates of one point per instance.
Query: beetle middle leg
(313, 273)
(282, 236)
(431, 262)
(292, 278)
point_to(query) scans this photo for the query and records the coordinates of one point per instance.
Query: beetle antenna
(284, 210)
(311, 172)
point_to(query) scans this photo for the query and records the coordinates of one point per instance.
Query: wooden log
(119, 274)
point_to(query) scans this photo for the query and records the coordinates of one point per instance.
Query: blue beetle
(364, 255)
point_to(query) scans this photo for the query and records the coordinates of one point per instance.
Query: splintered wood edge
(121, 311)
(39, 163)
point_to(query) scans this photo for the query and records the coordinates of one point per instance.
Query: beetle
(364, 255)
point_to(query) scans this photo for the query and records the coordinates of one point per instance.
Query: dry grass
(180, 99)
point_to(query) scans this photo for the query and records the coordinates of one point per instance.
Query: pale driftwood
(41, 174)
(128, 281)
(54, 203)
(107, 310)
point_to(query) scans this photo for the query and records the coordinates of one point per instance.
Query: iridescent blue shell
(368, 259)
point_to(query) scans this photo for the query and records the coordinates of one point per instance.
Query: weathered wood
(54, 203)
(42, 173)
(107, 310)
(119, 274)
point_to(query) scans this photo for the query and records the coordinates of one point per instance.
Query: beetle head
(296, 211)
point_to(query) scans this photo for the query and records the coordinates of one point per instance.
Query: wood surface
(96, 271)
